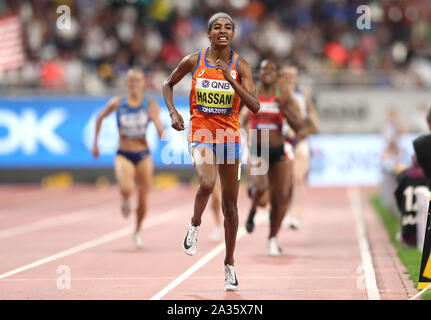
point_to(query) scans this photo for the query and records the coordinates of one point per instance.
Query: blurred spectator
(391, 157)
(392, 128)
(409, 181)
(390, 164)
(320, 36)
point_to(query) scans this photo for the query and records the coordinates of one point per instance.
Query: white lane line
(421, 292)
(203, 261)
(72, 217)
(44, 224)
(364, 247)
(151, 222)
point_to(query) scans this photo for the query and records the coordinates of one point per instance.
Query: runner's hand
(95, 151)
(177, 121)
(222, 66)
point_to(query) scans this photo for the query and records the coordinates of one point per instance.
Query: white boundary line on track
(151, 222)
(421, 292)
(44, 224)
(73, 216)
(201, 262)
(364, 247)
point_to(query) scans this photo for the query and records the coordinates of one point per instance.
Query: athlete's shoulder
(305, 90)
(242, 62)
(243, 66)
(151, 102)
(115, 101)
(150, 99)
(190, 61)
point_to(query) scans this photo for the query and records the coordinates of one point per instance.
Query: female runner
(221, 81)
(301, 160)
(276, 103)
(133, 159)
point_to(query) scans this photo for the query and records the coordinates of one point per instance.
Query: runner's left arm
(154, 115)
(290, 109)
(311, 110)
(246, 91)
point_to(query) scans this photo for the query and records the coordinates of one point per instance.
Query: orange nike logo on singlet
(214, 104)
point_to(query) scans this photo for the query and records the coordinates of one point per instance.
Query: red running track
(81, 228)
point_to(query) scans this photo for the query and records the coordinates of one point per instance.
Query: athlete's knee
(126, 191)
(263, 201)
(260, 188)
(206, 185)
(229, 208)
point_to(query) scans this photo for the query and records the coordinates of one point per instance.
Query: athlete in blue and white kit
(133, 159)
(301, 157)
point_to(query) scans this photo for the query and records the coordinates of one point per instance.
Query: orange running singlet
(214, 104)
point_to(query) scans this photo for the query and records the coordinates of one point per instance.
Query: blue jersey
(132, 122)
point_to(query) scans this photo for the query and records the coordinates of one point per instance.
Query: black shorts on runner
(275, 154)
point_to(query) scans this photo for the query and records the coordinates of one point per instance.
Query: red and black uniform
(269, 117)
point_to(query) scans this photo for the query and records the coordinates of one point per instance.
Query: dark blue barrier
(57, 132)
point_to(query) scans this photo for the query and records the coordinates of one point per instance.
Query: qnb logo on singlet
(133, 125)
(214, 96)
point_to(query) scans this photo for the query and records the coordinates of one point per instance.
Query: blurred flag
(11, 46)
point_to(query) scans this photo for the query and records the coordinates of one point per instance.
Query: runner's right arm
(111, 106)
(185, 66)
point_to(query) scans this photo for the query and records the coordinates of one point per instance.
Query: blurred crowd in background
(321, 36)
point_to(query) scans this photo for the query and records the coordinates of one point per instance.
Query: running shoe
(190, 243)
(295, 223)
(273, 248)
(125, 208)
(230, 280)
(286, 220)
(137, 240)
(291, 222)
(249, 225)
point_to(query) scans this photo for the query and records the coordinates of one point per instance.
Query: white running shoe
(125, 208)
(137, 240)
(217, 233)
(190, 243)
(230, 280)
(291, 222)
(273, 248)
(295, 223)
(286, 220)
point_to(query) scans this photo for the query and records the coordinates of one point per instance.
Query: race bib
(214, 96)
